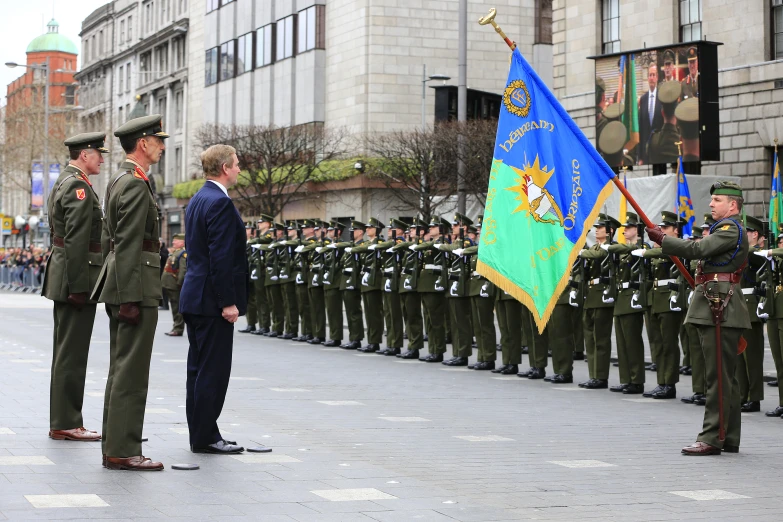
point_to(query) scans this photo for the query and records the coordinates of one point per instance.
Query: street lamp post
(462, 103)
(424, 80)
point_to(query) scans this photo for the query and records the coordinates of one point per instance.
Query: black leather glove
(77, 300)
(655, 234)
(129, 313)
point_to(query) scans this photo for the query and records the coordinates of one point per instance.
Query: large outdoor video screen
(653, 104)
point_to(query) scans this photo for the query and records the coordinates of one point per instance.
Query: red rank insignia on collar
(86, 178)
(140, 174)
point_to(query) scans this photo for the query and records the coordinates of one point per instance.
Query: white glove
(412, 247)
(572, 299)
(459, 251)
(639, 252)
(390, 251)
(319, 249)
(673, 304)
(257, 247)
(299, 249)
(762, 253)
(760, 311)
(690, 297)
(348, 249)
(440, 246)
(605, 247)
(331, 245)
(373, 247)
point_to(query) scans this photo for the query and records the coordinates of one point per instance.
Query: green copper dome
(52, 41)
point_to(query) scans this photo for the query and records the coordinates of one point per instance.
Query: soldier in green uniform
(458, 298)
(537, 343)
(750, 364)
(264, 236)
(667, 308)
(272, 280)
(315, 290)
(663, 148)
(599, 304)
(302, 271)
(332, 280)
(668, 66)
(717, 301)
(629, 308)
(411, 262)
(562, 334)
(252, 311)
(432, 287)
(773, 309)
(351, 285)
(284, 252)
(690, 85)
(392, 305)
(172, 278)
(687, 115)
(75, 227)
(371, 278)
(129, 284)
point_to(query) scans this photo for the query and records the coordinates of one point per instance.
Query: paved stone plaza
(362, 438)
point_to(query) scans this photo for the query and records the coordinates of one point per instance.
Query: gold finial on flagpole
(625, 168)
(490, 19)
(679, 147)
(776, 145)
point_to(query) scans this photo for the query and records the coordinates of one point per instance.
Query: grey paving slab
(488, 449)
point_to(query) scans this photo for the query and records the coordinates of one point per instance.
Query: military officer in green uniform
(252, 311)
(483, 295)
(350, 286)
(411, 265)
(272, 281)
(75, 227)
(599, 304)
(690, 85)
(390, 282)
(458, 298)
(302, 271)
(667, 307)
(750, 364)
(129, 284)
(284, 252)
(371, 279)
(331, 279)
(432, 287)
(718, 310)
(315, 290)
(562, 334)
(172, 278)
(663, 142)
(629, 308)
(264, 236)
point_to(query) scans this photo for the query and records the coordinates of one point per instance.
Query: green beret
(631, 220)
(396, 223)
(668, 219)
(375, 223)
(140, 127)
(87, 140)
(461, 220)
(612, 139)
(605, 220)
(668, 56)
(725, 188)
(358, 225)
(614, 111)
(687, 114)
(754, 224)
(265, 218)
(179, 236)
(669, 92)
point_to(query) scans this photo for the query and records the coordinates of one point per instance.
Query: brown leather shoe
(139, 463)
(79, 434)
(700, 449)
(174, 334)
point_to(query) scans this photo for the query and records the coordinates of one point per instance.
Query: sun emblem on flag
(535, 200)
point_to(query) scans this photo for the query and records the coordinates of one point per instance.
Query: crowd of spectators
(23, 266)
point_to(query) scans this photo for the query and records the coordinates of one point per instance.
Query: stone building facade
(750, 64)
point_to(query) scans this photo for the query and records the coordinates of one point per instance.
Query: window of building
(312, 22)
(228, 60)
(690, 20)
(265, 43)
(164, 11)
(211, 66)
(178, 163)
(86, 46)
(162, 60)
(160, 106)
(610, 18)
(93, 48)
(179, 53)
(178, 109)
(130, 28)
(100, 43)
(212, 5)
(149, 15)
(120, 79)
(285, 37)
(120, 119)
(543, 29)
(777, 29)
(145, 64)
(128, 77)
(122, 31)
(183, 7)
(245, 53)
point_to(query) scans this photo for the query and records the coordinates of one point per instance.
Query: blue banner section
(684, 204)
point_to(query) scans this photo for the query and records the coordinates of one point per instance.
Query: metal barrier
(16, 279)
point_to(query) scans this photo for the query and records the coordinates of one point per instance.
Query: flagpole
(490, 19)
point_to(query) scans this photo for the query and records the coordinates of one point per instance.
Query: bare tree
(477, 152)
(277, 163)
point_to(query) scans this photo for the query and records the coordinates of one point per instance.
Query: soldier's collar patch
(86, 178)
(725, 227)
(80, 194)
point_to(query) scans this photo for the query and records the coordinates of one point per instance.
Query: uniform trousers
(303, 308)
(262, 304)
(372, 302)
(179, 321)
(697, 359)
(413, 319)
(750, 365)
(333, 298)
(775, 336)
(630, 347)
(276, 307)
(392, 308)
(435, 308)
(291, 308)
(483, 309)
(510, 330)
(318, 311)
(353, 312)
(668, 360)
(460, 314)
(562, 338)
(598, 341)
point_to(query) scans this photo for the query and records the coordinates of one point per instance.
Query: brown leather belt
(60, 242)
(731, 277)
(148, 245)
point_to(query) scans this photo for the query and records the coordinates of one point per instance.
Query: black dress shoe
(777, 412)
(457, 361)
(247, 329)
(497, 370)
(669, 391)
(549, 353)
(351, 346)
(370, 348)
(701, 401)
(525, 350)
(774, 384)
(549, 378)
(474, 345)
(221, 447)
(688, 371)
(596, 384)
(633, 389)
(432, 358)
(511, 369)
(410, 354)
(262, 331)
(691, 399)
(315, 340)
(654, 390)
(308, 337)
(562, 379)
(288, 336)
(751, 407)
(579, 356)
(389, 352)
(332, 343)
(620, 388)
(484, 366)
(273, 334)
(681, 370)
(426, 338)
(536, 373)
(525, 373)
(300, 339)
(405, 336)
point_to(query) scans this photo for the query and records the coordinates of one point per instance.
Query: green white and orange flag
(630, 116)
(546, 189)
(775, 198)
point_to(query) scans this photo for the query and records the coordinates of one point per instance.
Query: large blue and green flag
(775, 198)
(546, 188)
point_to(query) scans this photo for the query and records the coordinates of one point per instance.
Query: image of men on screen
(650, 115)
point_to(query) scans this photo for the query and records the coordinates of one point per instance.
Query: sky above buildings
(23, 20)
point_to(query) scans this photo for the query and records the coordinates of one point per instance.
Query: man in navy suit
(650, 116)
(213, 297)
